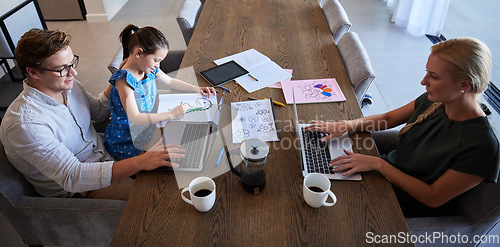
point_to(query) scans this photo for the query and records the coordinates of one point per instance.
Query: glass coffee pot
(253, 153)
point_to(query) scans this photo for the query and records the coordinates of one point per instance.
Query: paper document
(278, 84)
(312, 91)
(253, 120)
(200, 108)
(263, 71)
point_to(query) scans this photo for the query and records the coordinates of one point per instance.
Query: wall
(102, 10)
(6, 5)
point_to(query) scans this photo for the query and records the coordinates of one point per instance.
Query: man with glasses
(47, 131)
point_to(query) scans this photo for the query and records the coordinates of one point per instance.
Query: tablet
(223, 73)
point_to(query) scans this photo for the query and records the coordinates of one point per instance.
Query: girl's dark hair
(147, 38)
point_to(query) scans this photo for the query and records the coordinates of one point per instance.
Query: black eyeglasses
(65, 71)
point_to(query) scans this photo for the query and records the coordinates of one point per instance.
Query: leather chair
(187, 18)
(336, 17)
(357, 64)
(477, 212)
(55, 221)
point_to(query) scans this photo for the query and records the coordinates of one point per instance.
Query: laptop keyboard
(193, 142)
(316, 152)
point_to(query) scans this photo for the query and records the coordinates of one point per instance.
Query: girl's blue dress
(124, 140)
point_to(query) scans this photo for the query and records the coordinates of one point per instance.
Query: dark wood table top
(295, 35)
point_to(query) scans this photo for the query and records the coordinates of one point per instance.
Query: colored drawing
(313, 91)
(317, 90)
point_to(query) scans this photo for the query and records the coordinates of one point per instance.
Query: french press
(253, 153)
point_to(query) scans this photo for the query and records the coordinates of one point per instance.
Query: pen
(220, 156)
(225, 88)
(253, 77)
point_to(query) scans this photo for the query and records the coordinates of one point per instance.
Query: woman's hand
(333, 129)
(206, 91)
(353, 162)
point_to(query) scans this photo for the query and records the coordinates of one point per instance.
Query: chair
(55, 221)
(187, 18)
(336, 17)
(477, 212)
(171, 63)
(357, 64)
(13, 25)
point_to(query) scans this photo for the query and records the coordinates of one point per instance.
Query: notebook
(196, 137)
(315, 155)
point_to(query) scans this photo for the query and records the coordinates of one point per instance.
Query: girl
(133, 98)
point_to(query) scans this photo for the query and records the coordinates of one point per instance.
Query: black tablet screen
(223, 73)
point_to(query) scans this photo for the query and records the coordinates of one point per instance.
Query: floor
(398, 57)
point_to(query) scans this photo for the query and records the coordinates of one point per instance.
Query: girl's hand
(333, 129)
(206, 91)
(179, 111)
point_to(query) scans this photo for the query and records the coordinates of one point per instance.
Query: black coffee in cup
(202, 193)
(316, 189)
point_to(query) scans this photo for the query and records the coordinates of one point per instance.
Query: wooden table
(295, 35)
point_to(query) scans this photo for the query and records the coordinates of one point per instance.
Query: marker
(225, 88)
(220, 156)
(253, 77)
(194, 109)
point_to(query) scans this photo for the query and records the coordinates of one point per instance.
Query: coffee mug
(317, 189)
(202, 193)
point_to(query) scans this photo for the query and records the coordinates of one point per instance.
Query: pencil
(277, 103)
(163, 140)
(253, 77)
(225, 88)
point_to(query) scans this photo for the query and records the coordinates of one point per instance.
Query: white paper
(193, 101)
(247, 59)
(259, 66)
(253, 120)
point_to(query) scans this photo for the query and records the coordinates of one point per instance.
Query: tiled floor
(398, 58)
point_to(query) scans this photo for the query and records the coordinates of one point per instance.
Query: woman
(447, 147)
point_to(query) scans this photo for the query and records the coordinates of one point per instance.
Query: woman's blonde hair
(470, 58)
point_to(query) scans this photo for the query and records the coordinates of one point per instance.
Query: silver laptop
(197, 138)
(315, 156)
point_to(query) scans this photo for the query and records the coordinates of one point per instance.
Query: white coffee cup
(316, 190)
(201, 192)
